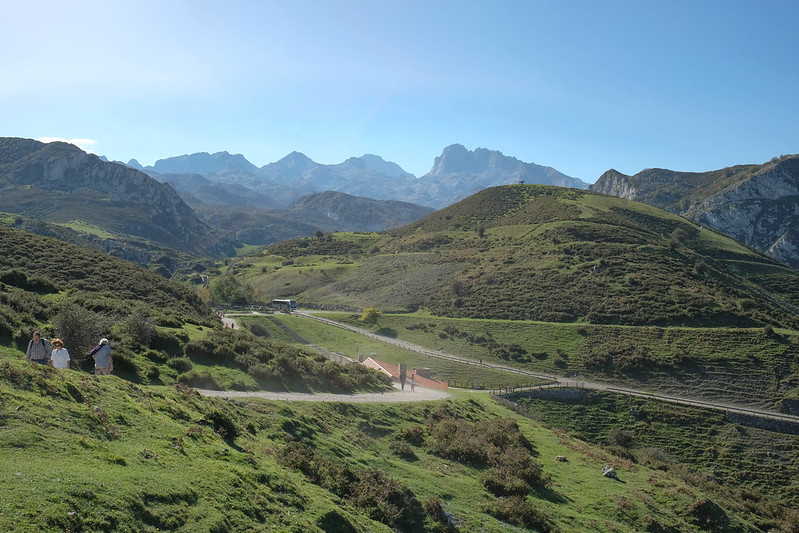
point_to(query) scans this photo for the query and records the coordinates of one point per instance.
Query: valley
(653, 328)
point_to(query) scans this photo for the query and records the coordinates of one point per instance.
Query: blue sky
(582, 86)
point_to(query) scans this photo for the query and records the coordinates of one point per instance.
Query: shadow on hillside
(550, 495)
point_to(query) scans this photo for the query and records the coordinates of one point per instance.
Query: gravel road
(419, 395)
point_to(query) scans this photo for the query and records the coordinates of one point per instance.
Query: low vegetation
(104, 454)
(529, 252)
(160, 331)
(758, 466)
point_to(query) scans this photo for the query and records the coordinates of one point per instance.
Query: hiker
(38, 351)
(59, 358)
(103, 364)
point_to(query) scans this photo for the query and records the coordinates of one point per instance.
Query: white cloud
(83, 144)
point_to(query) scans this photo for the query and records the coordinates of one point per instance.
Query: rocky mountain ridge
(456, 174)
(59, 183)
(755, 204)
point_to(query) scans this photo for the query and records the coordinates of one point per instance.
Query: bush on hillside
(271, 362)
(521, 511)
(80, 329)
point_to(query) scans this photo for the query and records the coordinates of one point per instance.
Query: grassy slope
(671, 435)
(539, 253)
(695, 362)
(87, 454)
(160, 331)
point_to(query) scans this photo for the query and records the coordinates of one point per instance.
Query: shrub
(386, 500)
(521, 511)
(139, 328)
(200, 380)
(181, 364)
(80, 329)
(258, 329)
(412, 435)
(224, 424)
(622, 438)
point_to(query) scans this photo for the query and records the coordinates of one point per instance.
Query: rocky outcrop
(458, 173)
(614, 183)
(755, 204)
(69, 184)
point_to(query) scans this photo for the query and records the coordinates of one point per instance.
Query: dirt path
(419, 395)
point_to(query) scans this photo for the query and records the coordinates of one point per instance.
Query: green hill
(161, 331)
(526, 252)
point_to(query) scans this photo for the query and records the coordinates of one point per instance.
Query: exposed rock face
(614, 183)
(755, 204)
(63, 183)
(458, 173)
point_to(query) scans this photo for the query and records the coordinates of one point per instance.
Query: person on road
(59, 358)
(38, 351)
(103, 364)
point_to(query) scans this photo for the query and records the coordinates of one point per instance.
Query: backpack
(95, 349)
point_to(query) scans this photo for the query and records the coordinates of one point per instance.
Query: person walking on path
(60, 356)
(103, 364)
(413, 382)
(38, 351)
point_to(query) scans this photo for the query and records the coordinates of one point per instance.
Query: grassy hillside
(526, 252)
(160, 331)
(670, 436)
(741, 366)
(86, 454)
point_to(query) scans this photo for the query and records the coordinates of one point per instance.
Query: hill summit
(532, 252)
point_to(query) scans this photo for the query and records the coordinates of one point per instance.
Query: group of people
(39, 352)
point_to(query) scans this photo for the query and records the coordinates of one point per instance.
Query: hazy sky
(581, 86)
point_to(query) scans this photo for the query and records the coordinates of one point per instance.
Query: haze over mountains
(456, 174)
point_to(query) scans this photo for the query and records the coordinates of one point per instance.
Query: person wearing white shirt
(60, 356)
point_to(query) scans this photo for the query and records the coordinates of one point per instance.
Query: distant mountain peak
(375, 163)
(203, 163)
(482, 167)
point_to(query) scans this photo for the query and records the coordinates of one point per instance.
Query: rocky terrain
(59, 183)
(755, 204)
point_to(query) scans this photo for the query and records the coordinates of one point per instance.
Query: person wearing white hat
(103, 364)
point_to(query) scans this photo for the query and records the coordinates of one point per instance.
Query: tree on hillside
(228, 289)
(370, 316)
(80, 329)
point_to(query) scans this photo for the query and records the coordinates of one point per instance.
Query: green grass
(247, 249)
(351, 344)
(87, 454)
(695, 362)
(673, 437)
(90, 229)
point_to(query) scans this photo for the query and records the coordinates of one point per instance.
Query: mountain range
(456, 174)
